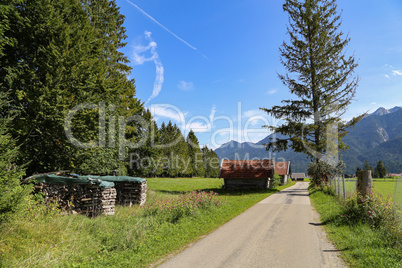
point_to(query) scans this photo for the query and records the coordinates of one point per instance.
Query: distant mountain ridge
(378, 136)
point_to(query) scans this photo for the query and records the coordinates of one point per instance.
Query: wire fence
(398, 196)
(346, 187)
(341, 186)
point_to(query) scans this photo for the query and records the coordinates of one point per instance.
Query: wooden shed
(284, 170)
(247, 173)
(298, 176)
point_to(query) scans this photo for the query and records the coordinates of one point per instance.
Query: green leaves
(65, 53)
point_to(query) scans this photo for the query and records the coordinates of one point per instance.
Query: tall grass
(364, 229)
(133, 237)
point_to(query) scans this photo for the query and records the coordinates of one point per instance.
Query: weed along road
(280, 231)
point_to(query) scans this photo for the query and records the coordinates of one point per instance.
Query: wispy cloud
(168, 111)
(185, 86)
(397, 72)
(166, 29)
(140, 58)
(386, 76)
(273, 91)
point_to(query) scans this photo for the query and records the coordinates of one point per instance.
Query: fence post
(364, 182)
(344, 187)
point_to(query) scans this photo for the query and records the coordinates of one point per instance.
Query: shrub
(375, 210)
(276, 180)
(11, 193)
(321, 169)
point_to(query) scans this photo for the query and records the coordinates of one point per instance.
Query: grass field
(130, 238)
(386, 187)
(359, 244)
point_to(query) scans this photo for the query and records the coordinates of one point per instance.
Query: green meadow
(134, 237)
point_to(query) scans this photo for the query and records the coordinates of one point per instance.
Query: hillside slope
(376, 137)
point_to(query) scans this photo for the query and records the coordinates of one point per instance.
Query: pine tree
(211, 162)
(144, 159)
(368, 167)
(61, 55)
(196, 162)
(357, 170)
(320, 76)
(380, 170)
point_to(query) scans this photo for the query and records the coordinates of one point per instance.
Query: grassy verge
(360, 244)
(133, 237)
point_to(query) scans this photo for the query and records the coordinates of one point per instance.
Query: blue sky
(210, 65)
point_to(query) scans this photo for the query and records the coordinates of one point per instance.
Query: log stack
(130, 193)
(97, 201)
(90, 195)
(90, 200)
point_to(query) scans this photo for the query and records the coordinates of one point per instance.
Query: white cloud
(397, 72)
(168, 111)
(198, 127)
(185, 86)
(252, 113)
(386, 76)
(273, 91)
(139, 58)
(373, 103)
(201, 123)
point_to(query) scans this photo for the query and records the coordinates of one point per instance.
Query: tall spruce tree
(211, 162)
(368, 167)
(196, 167)
(62, 54)
(380, 170)
(319, 75)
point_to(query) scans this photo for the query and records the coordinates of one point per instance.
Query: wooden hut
(247, 173)
(298, 176)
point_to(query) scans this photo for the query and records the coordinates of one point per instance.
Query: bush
(11, 193)
(321, 169)
(276, 181)
(375, 210)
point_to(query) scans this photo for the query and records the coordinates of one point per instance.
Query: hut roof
(246, 169)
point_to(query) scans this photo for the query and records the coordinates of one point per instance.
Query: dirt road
(280, 231)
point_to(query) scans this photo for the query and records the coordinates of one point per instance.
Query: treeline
(66, 102)
(166, 153)
(380, 170)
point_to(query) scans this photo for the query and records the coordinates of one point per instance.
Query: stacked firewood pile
(129, 193)
(86, 199)
(90, 195)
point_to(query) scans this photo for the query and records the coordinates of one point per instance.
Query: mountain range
(378, 136)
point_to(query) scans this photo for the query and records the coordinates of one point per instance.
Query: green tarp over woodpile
(89, 180)
(121, 179)
(100, 181)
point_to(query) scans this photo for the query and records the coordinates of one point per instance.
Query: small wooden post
(364, 182)
(336, 187)
(344, 186)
